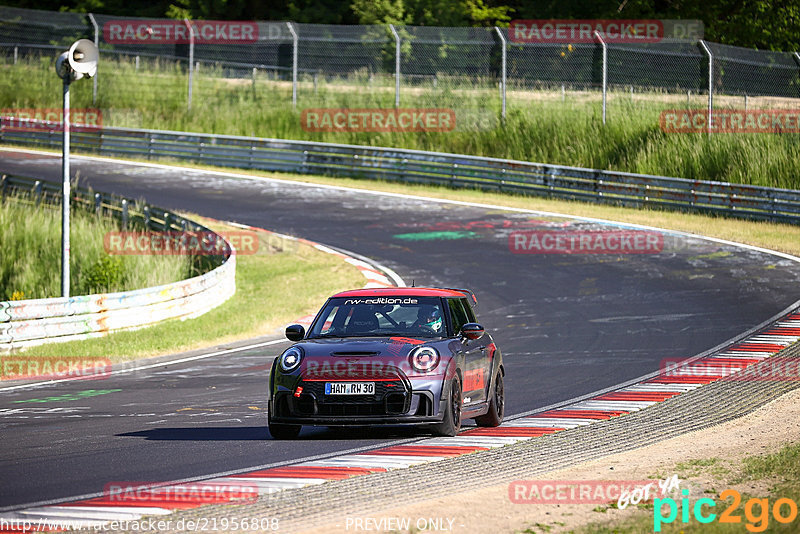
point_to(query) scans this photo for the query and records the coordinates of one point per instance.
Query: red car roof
(404, 291)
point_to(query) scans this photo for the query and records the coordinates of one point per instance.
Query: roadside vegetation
(541, 125)
(30, 254)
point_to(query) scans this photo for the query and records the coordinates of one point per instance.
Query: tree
(379, 11)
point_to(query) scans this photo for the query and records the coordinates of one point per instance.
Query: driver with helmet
(429, 319)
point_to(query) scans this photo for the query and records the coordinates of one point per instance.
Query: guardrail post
(605, 71)
(146, 217)
(397, 44)
(125, 215)
(98, 203)
(502, 70)
(190, 27)
(3, 185)
(710, 83)
(97, 44)
(295, 42)
(37, 188)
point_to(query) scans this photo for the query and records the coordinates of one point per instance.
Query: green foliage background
(761, 24)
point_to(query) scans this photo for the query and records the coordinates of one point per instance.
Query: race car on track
(393, 356)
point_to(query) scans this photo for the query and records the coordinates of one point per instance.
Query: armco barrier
(553, 181)
(26, 323)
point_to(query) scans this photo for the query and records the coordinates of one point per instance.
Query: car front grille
(392, 397)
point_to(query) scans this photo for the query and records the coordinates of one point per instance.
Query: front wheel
(283, 431)
(451, 423)
(497, 405)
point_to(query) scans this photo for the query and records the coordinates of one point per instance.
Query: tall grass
(30, 255)
(539, 125)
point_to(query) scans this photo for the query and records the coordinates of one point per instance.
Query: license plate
(349, 388)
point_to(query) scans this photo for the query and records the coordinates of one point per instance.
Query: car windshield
(380, 316)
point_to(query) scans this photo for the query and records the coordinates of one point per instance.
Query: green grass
(30, 257)
(539, 126)
(693, 468)
(785, 464)
(282, 282)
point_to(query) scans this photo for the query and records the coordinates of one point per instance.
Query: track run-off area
(569, 325)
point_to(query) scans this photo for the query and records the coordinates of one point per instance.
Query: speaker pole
(79, 61)
(65, 194)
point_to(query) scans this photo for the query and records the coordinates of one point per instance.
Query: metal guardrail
(491, 174)
(26, 323)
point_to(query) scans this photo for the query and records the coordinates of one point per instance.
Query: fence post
(710, 83)
(605, 71)
(97, 44)
(294, 63)
(503, 69)
(396, 66)
(16, 53)
(796, 58)
(190, 26)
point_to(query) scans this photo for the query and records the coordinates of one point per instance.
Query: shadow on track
(245, 433)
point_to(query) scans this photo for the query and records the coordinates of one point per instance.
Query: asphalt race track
(567, 324)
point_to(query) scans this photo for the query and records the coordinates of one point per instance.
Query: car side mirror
(295, 332)
(472, 331)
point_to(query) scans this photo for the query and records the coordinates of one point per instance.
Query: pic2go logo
(756, 511)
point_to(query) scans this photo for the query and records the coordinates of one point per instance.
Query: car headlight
(424, 358)
(290, 359)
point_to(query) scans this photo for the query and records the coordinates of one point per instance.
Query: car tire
(497, 405)
(451, 423)
(283, 431)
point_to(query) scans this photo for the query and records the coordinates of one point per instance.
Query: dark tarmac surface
(568, 324)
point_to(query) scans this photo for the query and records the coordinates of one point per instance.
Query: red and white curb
(734, 358)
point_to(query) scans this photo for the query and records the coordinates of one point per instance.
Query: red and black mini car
(392, 356)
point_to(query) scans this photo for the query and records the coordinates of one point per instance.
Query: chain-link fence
(395, 66)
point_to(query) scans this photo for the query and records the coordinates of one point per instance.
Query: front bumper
(394, 403)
